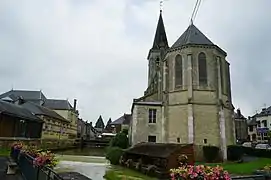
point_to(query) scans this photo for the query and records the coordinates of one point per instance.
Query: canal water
(90, 162)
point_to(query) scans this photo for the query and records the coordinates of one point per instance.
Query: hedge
(235, 152)
(113, 154)
(211, 153)
(265, 153)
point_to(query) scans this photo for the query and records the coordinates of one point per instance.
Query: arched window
(202, 69)
(178, 70)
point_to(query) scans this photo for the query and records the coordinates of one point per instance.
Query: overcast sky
(96, 50)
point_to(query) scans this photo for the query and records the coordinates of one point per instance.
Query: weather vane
(161, 5)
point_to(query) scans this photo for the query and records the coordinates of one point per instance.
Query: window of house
(152, 115)
(151, 138)
(250, 128)
(202, 69)
(205, 141)
(258, 123)
(264, 123)
(178, 70)
(178, 140)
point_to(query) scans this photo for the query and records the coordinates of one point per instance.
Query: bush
(113, 154)
(235, 152)
(211, 153)
(120, 140)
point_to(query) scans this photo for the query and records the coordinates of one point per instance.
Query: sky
(96, 50)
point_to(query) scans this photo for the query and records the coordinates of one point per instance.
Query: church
(188, 98)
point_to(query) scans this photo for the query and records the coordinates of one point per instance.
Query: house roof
(100, 123)
(162, 150)
(25, 94)
(17, 111)
(40, 110)
(192, 35)
(57, 104)
(125, 119)
(160, 38)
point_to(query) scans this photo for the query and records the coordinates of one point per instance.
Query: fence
(31, 172)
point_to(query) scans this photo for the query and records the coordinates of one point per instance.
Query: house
(121, 123)
(62, 107)
(18, 122)
(54, 126)
(252, 129)
(99, 126)
(188, 97)
(241, 127)
(262, 123)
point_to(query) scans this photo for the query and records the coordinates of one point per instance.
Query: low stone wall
(41, 143)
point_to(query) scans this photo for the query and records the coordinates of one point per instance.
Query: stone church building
(188, 98)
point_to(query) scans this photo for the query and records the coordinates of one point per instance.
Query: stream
(90, 162)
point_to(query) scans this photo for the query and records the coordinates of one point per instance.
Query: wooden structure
(16, 121)
(156, 159)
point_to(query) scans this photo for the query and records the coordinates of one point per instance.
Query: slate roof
(155, 149)
(40, 110)
(100, 123)
(192, 35)
(125, 119)
(160, 38)
(57, 104)
(27, 95)
(17, 111)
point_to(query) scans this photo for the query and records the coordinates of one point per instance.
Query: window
(151, 138)
(202, 69)
(152, 115)
(250, 128)
(178, 140)
(264, 123)
(178, 71)
(205, 141)
(222, 77)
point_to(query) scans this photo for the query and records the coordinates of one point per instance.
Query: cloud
(96, 50)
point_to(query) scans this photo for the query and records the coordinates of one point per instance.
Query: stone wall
(44, 144)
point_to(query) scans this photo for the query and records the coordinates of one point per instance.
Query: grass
(4, 152)
(120, 173)
(242, 168)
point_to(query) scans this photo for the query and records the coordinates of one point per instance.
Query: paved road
(3, 166)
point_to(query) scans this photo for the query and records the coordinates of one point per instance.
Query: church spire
(160, 38)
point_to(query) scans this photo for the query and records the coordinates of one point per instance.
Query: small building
(121, 123)
(158, 158)
(54, 127)
(241, 128)
(18, 122)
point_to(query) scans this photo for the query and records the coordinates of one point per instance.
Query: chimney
(74, 104)
(238, 112)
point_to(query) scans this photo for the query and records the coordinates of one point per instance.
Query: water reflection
(95, 151)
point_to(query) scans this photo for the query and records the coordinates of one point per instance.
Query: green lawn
(120, 173)
(243, 168)
(4, 152)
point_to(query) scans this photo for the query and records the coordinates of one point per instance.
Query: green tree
(120, 140)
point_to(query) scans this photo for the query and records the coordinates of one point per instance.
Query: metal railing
(31, 172)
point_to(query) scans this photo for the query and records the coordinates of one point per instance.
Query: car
(247, 144)
(263, 146)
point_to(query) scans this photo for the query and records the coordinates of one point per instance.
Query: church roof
(160, 38)
(99, 123)
(192, 35)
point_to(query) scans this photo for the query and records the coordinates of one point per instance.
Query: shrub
(120, 140)
(211, 153)
(113, 154)
(235, 152)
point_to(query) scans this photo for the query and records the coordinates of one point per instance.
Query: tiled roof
(192, 35)
(27, 95)
(17, 111)
(57, 104)
(40, 110)
(125, 119)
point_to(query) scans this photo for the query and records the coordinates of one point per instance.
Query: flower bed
(40, 157)
(199, 172)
